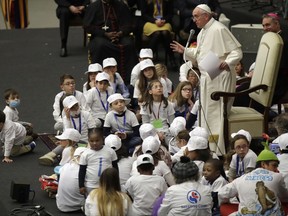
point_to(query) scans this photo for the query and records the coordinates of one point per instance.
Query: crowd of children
(144, 154)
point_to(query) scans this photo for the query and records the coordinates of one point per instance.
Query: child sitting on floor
(94, 161)
(146, 187)
(12, 136)
(67, 84)
(244, 160)
(122, 122)
(12, 100)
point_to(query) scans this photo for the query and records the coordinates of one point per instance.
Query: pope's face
(200, 17)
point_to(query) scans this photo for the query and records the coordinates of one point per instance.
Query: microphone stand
(192, 32)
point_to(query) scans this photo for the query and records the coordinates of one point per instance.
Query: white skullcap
(205, 8)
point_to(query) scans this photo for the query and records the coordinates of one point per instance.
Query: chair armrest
(216, 95)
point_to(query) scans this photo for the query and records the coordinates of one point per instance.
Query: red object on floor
(228, 208)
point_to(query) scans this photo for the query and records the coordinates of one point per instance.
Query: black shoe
(63, 52)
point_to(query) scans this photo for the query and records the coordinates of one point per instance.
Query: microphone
(192, 32)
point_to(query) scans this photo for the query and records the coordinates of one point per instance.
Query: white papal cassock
(215, 37)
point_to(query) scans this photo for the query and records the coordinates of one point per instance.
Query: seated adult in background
(157, 16)
(109, 23)
(271, 23)
(67, 10)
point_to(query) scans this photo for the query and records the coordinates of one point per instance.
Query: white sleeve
(136, 92)
(134, 74)
(66, 122)
(234, 57)
(227, 192)
(56, 108)
(164, 84)
(184, 68)
(83, 103)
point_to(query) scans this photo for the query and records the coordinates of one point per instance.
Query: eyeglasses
(196, 17)
(241, 147)
(187, 89)
(69, 83)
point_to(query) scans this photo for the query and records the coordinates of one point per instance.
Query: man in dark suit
(67, 10)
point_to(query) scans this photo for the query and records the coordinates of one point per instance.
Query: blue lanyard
(107, 104)
(241, 171)
(124, 123)
(80, 125)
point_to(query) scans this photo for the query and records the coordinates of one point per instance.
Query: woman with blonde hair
(108, 198)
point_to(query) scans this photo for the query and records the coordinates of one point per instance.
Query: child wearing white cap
(147, 74)
(124, 160)
(197, 149)
(68, 197)
(283, 157)
(178, 125)
(67, 84)
(122, 122)
(244, 159)
(151, 146)
(144, 53)
(77, 118)
(97, 97)
(93, 70)
(146, 130)
(115, 79)
(146, 187)
(68, 140)
(68, 143)
(157, 110)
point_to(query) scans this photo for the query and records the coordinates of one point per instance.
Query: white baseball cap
(150, 145)
(204, 7)
(113, 141)
(145, 159)
(78, 151)
(244, 133)
(70, 134)
(70, 101)
(196, 142)
(117, 96)
(146, 53)
(146, 63)
(102, 76)
(147, 130)
(94, 68)
(199, 131)
(283, 141)
(178, 124)
(109, 62)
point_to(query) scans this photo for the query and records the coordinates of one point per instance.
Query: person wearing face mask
(12, 100)
(77, 118)
(73, 118)
(122, 122)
